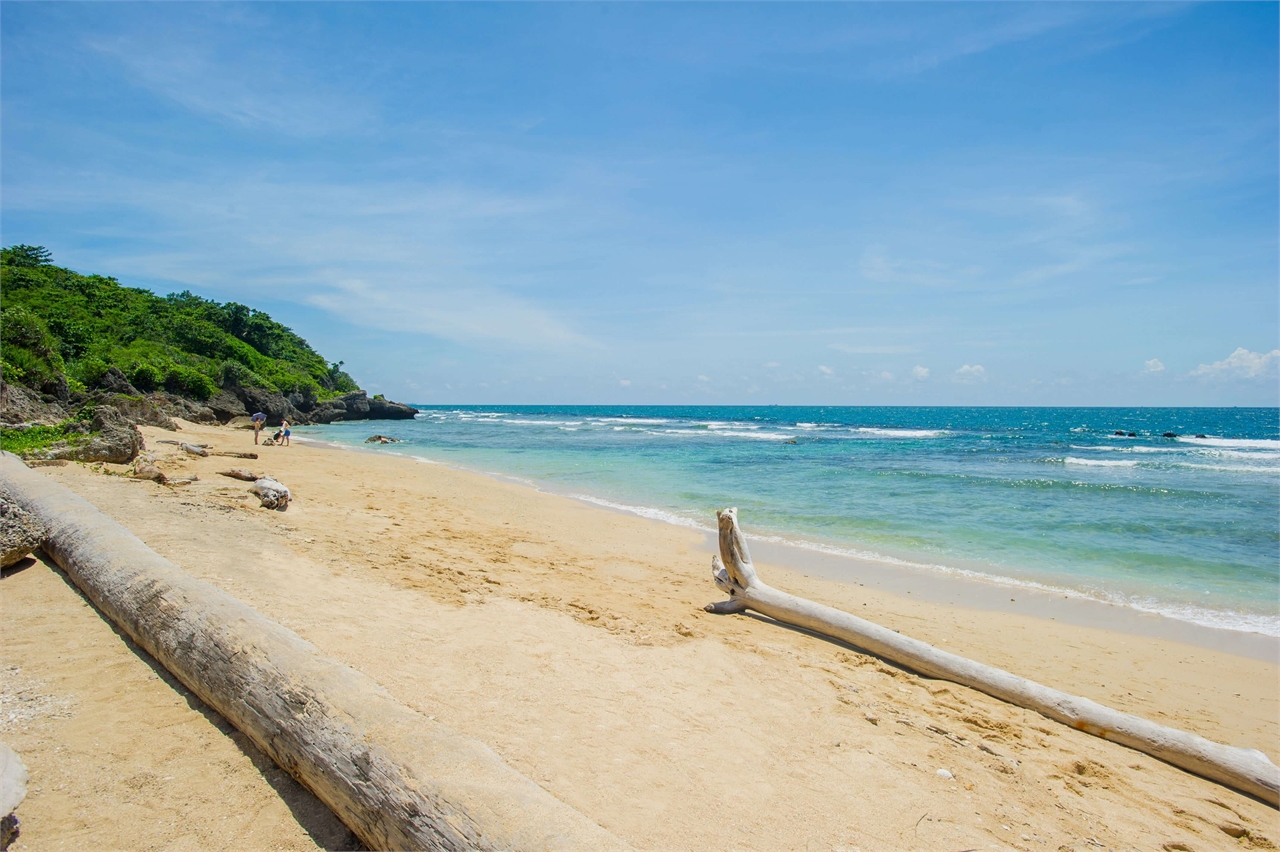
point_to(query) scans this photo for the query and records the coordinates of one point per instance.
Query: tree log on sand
(1247, 770)
(396, 778)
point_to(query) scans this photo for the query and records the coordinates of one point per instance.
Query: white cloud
(1153, 366)
(920, 373)
(626, 383)
(826, 371)
(703, 379)
(771, 364)
(968, 375)
(1241, 364)
(886, 376)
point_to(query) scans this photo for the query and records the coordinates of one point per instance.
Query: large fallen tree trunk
(1247, 770)
(396, 778)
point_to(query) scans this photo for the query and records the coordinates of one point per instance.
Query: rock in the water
(272, 494)
(381, 439)
(240, 473)
(1171, 434)
(193, 450)
(385, 409)
(21, 533)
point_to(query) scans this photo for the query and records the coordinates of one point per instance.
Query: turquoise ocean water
(1044, 497)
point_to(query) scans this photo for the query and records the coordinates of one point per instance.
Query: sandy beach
(571, 640)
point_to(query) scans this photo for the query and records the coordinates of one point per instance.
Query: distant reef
(71, 344)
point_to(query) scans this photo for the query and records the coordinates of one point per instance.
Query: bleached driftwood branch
(399, 780)
(1247, 770)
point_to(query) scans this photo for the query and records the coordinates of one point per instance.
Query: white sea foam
(543, 422)
(1100, 462)
(646, 512)
(901, 433)
(1232, 468)
(726, 433)
(1234, 443)
(635, 421)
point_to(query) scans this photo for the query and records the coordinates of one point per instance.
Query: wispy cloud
(919, 373)
(1155, 365)
(206, 71)
(970, 374)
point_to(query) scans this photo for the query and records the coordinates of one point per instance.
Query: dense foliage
(59, 323)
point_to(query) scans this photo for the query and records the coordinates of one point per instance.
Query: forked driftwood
(1247, 770)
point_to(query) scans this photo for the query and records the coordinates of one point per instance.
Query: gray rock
(272, 494)
(113, 381)
(21, 533)
(139, 411)
(188, 409)
(381, 439)
(23, 405)
(225, 406)
(385, 409)
(270, 403)
(118, 441)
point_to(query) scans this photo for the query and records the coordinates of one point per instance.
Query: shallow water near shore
(1046, 499)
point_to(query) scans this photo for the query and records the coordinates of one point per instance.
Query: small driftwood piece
(193, 450)
(1247, 770)
(397, 778)
(240, 473)
(237, 455)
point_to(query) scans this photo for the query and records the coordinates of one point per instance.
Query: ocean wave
(1234, 443)
(543, 422)
(1232, 468)
(646, 512)
(901, 433)
(1268, 625)
(726, 433)
(1100, 462)
(637, 421)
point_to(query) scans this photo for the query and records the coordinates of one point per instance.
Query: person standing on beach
(259, 420)
(284, 426)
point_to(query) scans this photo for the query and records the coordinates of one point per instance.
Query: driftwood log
(398, 779)
(1247, 770)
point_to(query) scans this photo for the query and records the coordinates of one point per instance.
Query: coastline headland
(571, 640)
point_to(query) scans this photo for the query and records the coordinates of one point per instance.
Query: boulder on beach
(194, 450)
(21, 533)
(272, 494)
(145, 469)
(117, 440)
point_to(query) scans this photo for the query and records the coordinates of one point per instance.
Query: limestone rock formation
(118, 441)
(23, 405)
(20, 534)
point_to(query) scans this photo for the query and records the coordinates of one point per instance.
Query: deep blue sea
(1045, 497)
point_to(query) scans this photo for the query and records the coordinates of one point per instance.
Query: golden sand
(571, 640)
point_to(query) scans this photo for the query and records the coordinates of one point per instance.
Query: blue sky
(1013, 204)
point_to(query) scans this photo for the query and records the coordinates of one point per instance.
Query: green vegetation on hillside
(61, 326)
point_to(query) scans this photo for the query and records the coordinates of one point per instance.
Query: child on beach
(259, 420)
(284, 427)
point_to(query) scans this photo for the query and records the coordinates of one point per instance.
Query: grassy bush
(32, 439)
